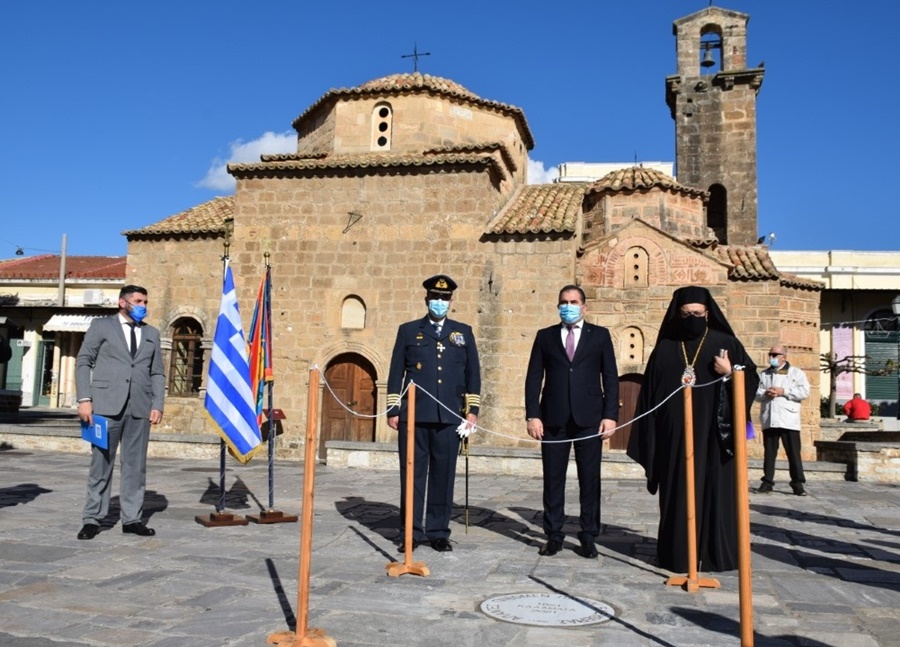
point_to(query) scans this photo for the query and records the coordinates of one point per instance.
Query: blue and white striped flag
(229, 401)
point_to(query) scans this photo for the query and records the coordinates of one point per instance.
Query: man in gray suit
(119, 375)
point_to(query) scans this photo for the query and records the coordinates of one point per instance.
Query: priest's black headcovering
(671, 326)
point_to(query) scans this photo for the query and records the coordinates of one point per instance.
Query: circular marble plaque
(547, 610)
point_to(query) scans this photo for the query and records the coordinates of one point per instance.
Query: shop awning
(69, 323)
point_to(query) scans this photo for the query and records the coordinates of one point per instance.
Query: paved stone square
(826, 566)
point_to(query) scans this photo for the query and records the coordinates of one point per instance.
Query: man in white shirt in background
(782, 388)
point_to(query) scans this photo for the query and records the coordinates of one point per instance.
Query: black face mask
(692, 327)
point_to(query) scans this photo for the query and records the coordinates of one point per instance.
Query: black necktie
(133, 339)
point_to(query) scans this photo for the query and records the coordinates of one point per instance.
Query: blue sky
(119, 114)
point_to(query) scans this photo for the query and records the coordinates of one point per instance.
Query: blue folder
(97, 433)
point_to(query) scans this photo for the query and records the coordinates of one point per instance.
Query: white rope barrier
(419, 389)
(315, 367)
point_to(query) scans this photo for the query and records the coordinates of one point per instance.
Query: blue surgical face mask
(773, 362)
(569, 313)
(438, 308)
(137, 312)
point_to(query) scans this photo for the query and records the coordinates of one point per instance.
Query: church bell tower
(713, 102)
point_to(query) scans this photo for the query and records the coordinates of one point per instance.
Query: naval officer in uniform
(440, 356)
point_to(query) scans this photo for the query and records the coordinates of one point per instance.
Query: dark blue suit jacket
(585, 389)
(445, 365)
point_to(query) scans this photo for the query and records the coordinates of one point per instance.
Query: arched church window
(636, 268)
(382, 126)
(353, 313)
(717, 212)
(186, 360)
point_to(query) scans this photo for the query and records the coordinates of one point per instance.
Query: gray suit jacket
(106, 372)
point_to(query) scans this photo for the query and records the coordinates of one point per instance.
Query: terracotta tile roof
(283, 157)
(753, 263)
(405, 84)
(206, 218)
(46, 266)
(461, 148)
(638, 178)
(478, 148)
(362, 160)
(540, 208)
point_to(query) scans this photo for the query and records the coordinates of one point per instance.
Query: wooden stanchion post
(395, 569)
(303, 636)
(745, 573)
(691, 583)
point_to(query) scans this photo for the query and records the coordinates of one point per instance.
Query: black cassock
(657, 443)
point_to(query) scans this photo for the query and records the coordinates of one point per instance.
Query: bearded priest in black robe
(695, 345)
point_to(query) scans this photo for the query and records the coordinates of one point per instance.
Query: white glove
(465, 428)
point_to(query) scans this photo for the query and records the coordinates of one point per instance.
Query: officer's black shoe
(588, 548)
(765, 488)
(798, 489)
(441, 545)
(550, 548)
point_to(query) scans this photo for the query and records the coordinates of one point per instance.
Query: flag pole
(220, 517)
(270, 514)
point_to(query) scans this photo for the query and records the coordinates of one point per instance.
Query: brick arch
(329, 352)
(191, 312)
(606, 267)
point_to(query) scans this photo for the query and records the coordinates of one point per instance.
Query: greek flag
(229, 401)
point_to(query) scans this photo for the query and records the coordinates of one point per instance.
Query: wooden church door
(352, 379)
(629, 390)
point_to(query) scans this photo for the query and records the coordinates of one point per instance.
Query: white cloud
(217, 177)
(537, 174)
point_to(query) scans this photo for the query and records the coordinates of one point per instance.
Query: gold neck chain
(697, 354)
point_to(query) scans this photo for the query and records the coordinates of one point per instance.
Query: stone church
(411, 175)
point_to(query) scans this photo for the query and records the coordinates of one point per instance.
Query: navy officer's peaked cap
(441, 285)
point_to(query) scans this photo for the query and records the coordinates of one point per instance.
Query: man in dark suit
(119, 375)
(440, 356)
(579, 405)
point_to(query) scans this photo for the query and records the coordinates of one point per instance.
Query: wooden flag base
(693, 584)
(216, 519)
(396, 569)
(272, 516)
(313, 638)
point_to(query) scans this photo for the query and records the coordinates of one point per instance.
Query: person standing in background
(782, 388)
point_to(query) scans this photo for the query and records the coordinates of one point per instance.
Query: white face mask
(773, 362)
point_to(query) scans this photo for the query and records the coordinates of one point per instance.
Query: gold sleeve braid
(472, 400)
(393, 400)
